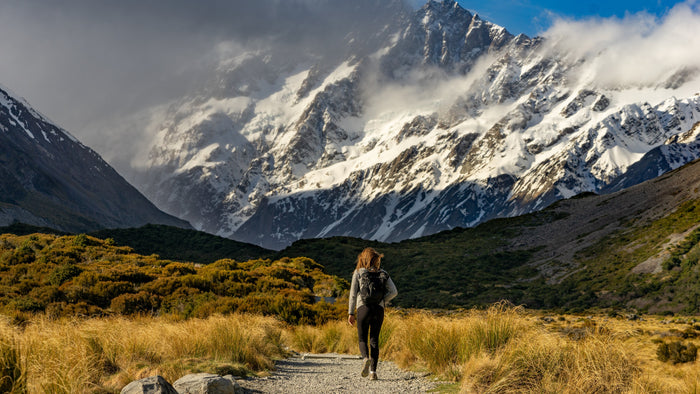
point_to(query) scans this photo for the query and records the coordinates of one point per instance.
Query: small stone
(206, 383)
(150, 385)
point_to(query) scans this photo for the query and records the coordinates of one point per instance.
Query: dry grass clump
(13, 377)
(444, 344)
(542, 362)
(332, 337)
(103, 355)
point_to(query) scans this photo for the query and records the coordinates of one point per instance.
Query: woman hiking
(370, 291)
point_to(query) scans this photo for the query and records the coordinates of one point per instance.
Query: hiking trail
(336, 373)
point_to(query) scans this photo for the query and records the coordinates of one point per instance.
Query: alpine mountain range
(438, 119)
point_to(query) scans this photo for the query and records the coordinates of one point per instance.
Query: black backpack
(373, 286)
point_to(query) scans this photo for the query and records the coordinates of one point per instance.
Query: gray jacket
(356, 302)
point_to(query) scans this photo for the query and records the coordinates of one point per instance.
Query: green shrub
(677, 352)
(104, 292)
(81, 240)
(129, 304)
(22, 255)
(671, 263)
(27, 304)
(63, 273)
(174, 269)
(46, 294)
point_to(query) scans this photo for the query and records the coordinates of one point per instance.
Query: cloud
(88, 64)
(81, 62)
(638, 50)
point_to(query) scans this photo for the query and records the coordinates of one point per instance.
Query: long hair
(369, 258)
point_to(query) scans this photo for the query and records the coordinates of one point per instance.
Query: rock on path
(336, 374)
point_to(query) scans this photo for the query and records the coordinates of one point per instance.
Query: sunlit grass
(498, 350)
(80, 356)
(12, 368)
(507, 349)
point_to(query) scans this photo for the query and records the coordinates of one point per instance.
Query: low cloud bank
(639, 50)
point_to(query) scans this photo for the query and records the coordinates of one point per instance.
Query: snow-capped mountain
(440, 120)
(48, 178)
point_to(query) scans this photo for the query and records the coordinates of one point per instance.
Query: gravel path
(336, 373)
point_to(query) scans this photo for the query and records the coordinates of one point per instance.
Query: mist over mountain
(434, 120)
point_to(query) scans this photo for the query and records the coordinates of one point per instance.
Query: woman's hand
(351, 320)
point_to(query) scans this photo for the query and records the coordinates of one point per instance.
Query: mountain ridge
(48, 178)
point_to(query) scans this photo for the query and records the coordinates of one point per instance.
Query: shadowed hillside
(182, 245)
(630, 249)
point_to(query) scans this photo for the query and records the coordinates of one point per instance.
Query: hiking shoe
(365, 368)
(372, 376)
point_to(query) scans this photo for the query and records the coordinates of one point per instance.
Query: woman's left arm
(354, 288)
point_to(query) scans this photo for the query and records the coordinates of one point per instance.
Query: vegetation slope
(632, 250)
(81, 275)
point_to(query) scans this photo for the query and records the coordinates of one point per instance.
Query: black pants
(369, 323)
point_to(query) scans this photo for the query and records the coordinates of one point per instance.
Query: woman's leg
(363, 323)
(376, 319)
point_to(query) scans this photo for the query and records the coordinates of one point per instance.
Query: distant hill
(180, 244)
(79, 275)
(636, 248)
(168, 242)
(18, 228)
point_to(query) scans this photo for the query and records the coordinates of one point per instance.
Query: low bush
(105, 354)
(677, 352)
(63, 273)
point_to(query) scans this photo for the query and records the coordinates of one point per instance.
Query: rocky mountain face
(442, 120)
(48, 178)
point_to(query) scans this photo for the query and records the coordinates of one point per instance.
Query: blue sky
(535, 16)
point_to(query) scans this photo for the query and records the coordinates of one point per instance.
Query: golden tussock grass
(579, 355)
(544, 363)
(444, 344)
(103, 355)
(506, 349)
(503, 349)
(332, 337)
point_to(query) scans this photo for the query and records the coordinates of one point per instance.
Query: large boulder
(150, 385)
(206, 383)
